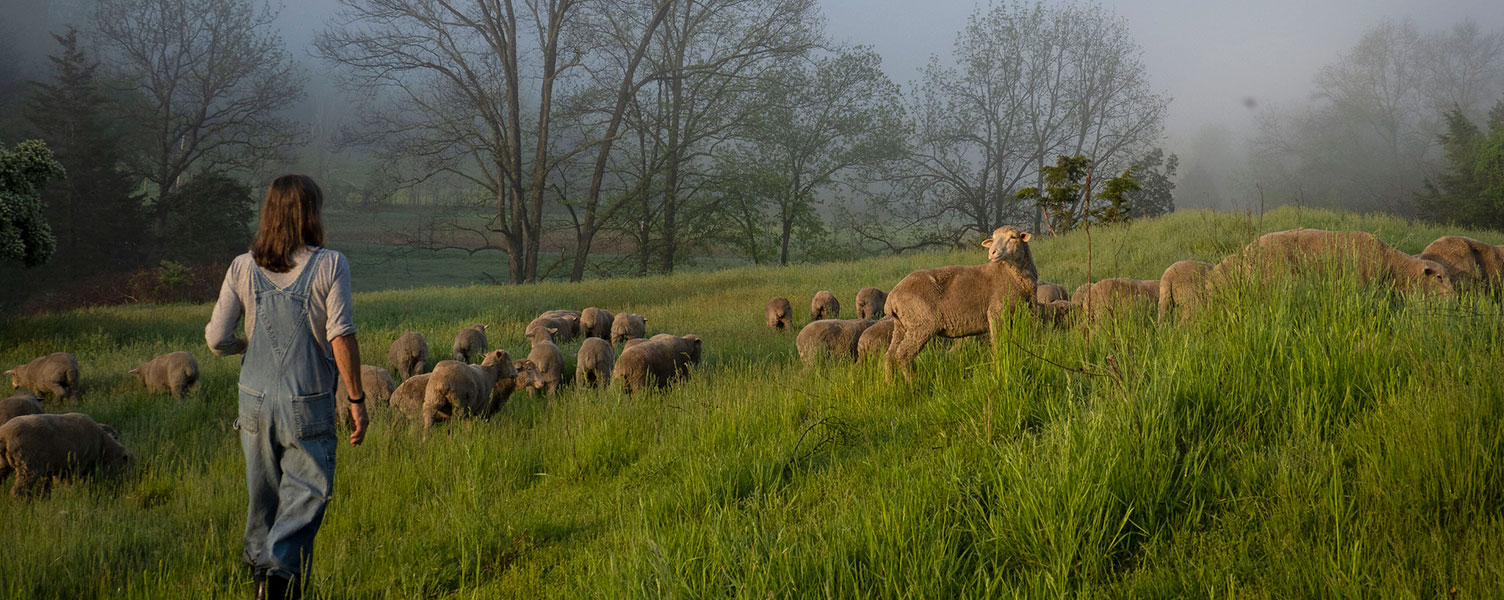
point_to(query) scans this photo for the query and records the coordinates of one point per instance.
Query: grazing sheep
(779, 314)
(870, 303)
(824, 306)
(41, 446)
(20, 404)
(1116, 296)
(470, 343)
(1047, 292)
(564, 327)
(875, 339)
(456, 388)
(1181, 287)
(548, 359)
(1470, 264)
(407, 399)
(596, 322)
(568, 322)
(1368, 255)
(375, 382)
(1056, 312)
(960, 301)
(528, 377)
(656, 362)
(628, 326)
(171, 373)
(55, 374)
(830, 337)
(408, 355)
(593, 364)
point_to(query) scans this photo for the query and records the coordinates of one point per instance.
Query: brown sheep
(528, 378)
(779, 314)
(875, 339)
(1370, 256)
(1181, 287)
(824, 306)
(20, 404)
(40, 447)
(547, 357)
(656, 362)
(567, 321)
(1047, 292)
(596, 322)
(836, 338)
(408, 355)
(1115, 296)
(870, 303)
(960, 301)
(407, 399)
(628, 326)
(375, 382)
(1056, 312)
(470, 344)
(564, 327)
(1470, 264)
(456, 388)
(55, 374)
(593, 364)
(171, 373)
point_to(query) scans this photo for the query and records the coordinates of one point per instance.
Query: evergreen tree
(1063, 197)
(209, 220)
(1155, 174)
(1470, 190)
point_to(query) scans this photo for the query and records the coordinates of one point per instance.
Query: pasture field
(1305, 438)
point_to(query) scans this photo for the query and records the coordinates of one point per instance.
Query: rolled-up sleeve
(220, 332)
(341, 319)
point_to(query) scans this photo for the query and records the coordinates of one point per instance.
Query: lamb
(470, 343)
(55, 374)
(779, 314)
(1470, 264)
(656, 362)
(835, 338)
(628, 326)
(42, 446)
(1047, 292)
(875, 339)
(870, 302)
(407, 399)
(1115, 296)
(1181, 286)
(596, 322)
(564, 326)
(375, 382)
(546, 356)
(960, 301)
(20, 404)
(1370, 256)
(408, 355)
(594, 363)
(824, 306)
(172, 373)
(457, 388)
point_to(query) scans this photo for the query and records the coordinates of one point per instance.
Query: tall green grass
(1305, 437)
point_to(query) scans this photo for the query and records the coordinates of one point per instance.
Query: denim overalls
(286, 426)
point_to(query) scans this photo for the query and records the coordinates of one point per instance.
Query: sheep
(375, 382)
(628, 326)
(470, 343)
(1115, 296)
(1181, 287)
(593, 363)
(1368, 255)
(779, 314)
(408, 355)
(1470, 264)
(1047, 292)
(830, 337)
(528, 377)
(1056, 312)
(824, 306)
(875, 339)
(547, 357)
(564, 327)
(20, 404)
(656, 362)
(407, 399)
(42, 446)
(457, 388)
(870, 302)
(172, 373)
(960, 301)
(596, 322)
(55, 374)
(567, 321)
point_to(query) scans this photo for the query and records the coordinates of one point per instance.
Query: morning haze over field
(769, 298)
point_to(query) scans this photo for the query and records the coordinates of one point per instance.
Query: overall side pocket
(250, 409)
(313, 415)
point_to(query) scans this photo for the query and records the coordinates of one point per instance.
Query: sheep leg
(904, 349)
(59, 391)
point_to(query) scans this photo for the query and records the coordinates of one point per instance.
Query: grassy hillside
(1310, 439)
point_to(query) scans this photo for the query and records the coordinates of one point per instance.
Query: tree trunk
(671, 174)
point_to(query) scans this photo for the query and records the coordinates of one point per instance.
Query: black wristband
(360, 400)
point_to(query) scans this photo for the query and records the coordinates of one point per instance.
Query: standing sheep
(596, 322)
(171, 373)
(628, 326)
(55, 374)
(20, 404)
(375, 382)
(779, 314)
(1116, 296)
(528, 377)
(824, 306)
(456, 388)
(1368, 255)
(656, 362)
(564, 326)
(835, 338)
(870, 303)
(1181, 287)
(960, 301)
(470, 343)
(42, 446)
(1470, 264)
(408, 355)
(407, 399)
(594, 363)
(546, 356)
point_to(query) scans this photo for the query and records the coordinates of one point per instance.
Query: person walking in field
(299, 336)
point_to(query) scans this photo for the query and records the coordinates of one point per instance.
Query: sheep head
(1005, 243)
(15, 375)
(1428, 277)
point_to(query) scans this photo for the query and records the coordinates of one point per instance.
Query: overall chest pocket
(313, 415)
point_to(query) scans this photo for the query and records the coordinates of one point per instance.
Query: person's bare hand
(358, 414)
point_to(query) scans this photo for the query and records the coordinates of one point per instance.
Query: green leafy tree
(1470, 189)
(211, 219)
(1063, 198)
(24, 172)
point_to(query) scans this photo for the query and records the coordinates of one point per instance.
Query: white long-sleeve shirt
(329, 311)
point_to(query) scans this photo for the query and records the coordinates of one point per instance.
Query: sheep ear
(553, 329)
(136, 371)
(1026, 236)
(11, 372)
(987, 243)
(484, 327)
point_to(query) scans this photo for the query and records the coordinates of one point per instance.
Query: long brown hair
(289, 220)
